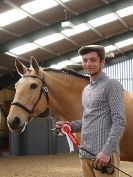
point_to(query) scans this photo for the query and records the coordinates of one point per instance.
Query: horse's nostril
(15, 123)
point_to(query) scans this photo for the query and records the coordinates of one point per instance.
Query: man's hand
(102, 159)
(59, 124)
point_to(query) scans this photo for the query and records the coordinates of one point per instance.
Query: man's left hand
(102, 159)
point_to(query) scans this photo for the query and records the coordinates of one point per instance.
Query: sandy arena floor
(62, 165)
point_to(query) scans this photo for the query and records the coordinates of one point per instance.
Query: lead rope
(67, 130)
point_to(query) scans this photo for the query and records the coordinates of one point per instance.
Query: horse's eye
(33, 86)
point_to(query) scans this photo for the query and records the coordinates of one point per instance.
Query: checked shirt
(103, 119)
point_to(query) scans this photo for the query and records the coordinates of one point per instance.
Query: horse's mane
(67, 72)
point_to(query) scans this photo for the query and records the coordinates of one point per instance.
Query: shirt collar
(101, 76)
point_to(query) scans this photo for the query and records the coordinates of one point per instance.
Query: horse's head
(31, 96)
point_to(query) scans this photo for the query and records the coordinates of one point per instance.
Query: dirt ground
(62, 165)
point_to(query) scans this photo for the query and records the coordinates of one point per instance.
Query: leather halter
(44, 90)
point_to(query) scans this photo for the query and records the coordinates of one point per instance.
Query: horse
(61, 90)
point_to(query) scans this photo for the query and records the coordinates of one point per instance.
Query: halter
(43, 90)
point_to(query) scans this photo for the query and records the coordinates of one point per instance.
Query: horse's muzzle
(15, 126)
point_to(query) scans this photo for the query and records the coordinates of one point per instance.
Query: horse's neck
(128, 101)
(65, 94)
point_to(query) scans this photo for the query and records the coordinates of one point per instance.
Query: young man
(103, 119)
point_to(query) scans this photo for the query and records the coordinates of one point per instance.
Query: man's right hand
(59, 124)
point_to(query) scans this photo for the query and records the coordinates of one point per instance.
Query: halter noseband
(43, 90)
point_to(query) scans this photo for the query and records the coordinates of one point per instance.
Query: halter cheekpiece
(44, 90)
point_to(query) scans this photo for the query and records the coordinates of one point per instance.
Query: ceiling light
(125, 12)
(11, 54)
(62, 64)
(49, 39)
(36, 6)
(67, 25)
(76, 59)
(54, 66)
(110, 48)
(77, 29)
(124, 43)
(64, 0)
(102, 20)
(10, 17)
(23, 48)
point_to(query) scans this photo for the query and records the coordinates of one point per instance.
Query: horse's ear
(21, 69)
(34, 64)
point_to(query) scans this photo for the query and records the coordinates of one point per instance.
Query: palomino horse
(61, 90)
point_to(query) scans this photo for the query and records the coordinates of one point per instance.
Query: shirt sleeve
(116, 103)
(76, 126)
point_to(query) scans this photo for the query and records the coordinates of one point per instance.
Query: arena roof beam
(9, 32)
(107, 42)
(114, 6)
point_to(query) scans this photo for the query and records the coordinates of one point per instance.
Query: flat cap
(98, 48)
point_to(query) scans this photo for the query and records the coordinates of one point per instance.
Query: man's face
(92, 63)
